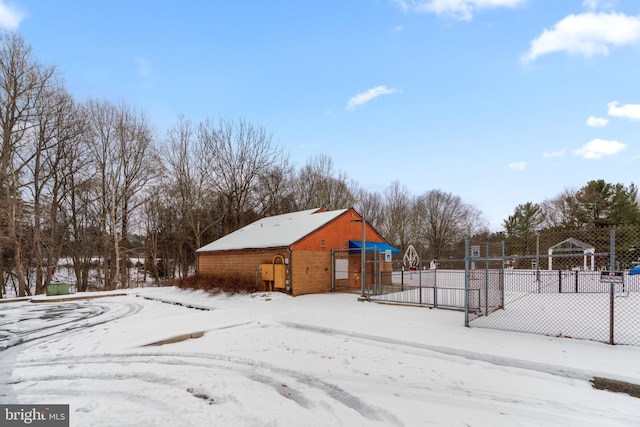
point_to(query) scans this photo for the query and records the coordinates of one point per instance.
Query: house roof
(274, 231)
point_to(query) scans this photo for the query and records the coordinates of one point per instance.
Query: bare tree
(239, 153)
(125, 162)
(443, 218)
(320, 185)
(22, 82)
(102, 119)
(473, 222)
(276, 190)
(398, 216)
(56, 129)
(370, 205)
(80, 204)
(189, 188)
(140, 165)
(562, 210)
(163, 233)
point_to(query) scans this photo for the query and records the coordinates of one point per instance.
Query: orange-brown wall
(337, 234)
(310, 272)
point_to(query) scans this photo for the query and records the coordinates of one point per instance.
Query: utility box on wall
(274, 274)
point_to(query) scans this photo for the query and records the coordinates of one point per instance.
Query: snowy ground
(316, 360)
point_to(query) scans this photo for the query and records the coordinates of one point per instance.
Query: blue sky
(498, 101)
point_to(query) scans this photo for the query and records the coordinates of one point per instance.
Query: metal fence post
(486, 280)
(435, 287)
(612, 264)
(502, 279)
(420, 280)
(560, 281)
(611, 313)
(538, 259)
(466, 282)
(333, 270)
(612, 249)
(376, 271)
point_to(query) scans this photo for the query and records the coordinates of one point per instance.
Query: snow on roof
(274, 231)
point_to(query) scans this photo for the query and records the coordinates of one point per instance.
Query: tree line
(597, 204)
(92, 184)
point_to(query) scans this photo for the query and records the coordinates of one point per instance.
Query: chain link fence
(565, 283)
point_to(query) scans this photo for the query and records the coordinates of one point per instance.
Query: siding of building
(310, 272)
(309, 269)
(225, 262)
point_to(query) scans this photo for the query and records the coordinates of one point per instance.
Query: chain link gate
(389, 280)
(346, 273)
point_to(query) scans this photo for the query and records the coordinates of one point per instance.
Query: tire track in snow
(546, 368)
(82, 316)
(290, 384)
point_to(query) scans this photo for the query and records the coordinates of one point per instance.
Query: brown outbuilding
(296, 252)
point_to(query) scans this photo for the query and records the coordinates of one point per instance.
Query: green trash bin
(52, 289)
(63, 289)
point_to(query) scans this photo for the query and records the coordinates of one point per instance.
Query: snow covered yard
(316, 360)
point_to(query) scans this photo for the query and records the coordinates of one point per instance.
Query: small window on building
(323, 243)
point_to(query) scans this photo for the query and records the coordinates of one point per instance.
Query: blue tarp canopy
(356, 245)
(634, 270)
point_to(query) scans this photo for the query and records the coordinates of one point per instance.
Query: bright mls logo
(34, 415)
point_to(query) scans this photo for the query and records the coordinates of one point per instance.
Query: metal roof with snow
(274, 231)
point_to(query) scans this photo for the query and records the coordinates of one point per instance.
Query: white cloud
(10, 16)
(586, 34)
(398, 28)
(459, 9)
(597, 122)
(554, 154)
(594, 5)
(518, 166)
(364, 97)
(629, 111)
(599, 148)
